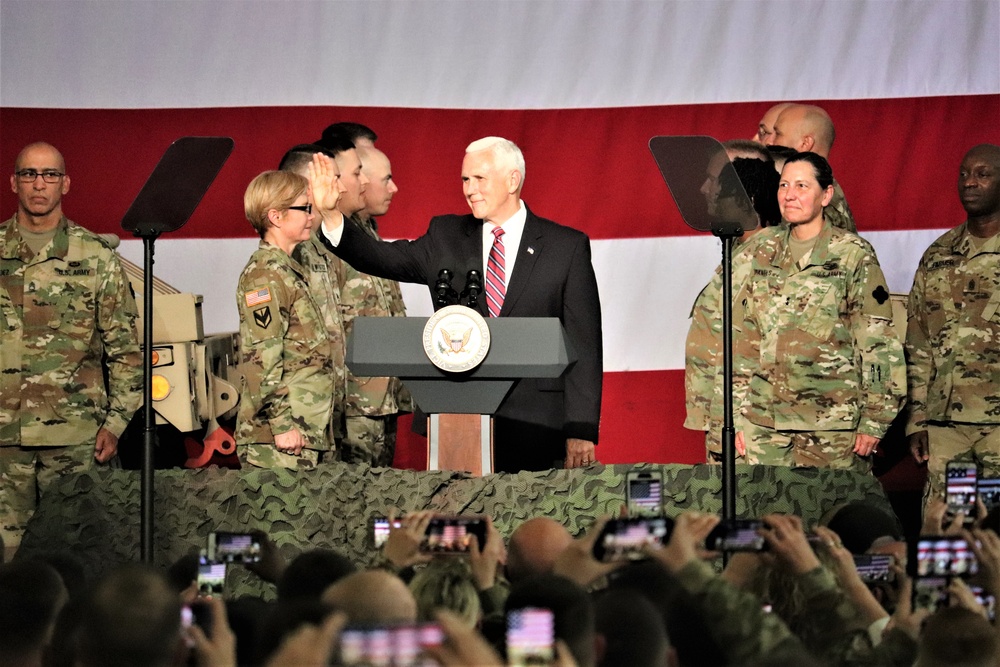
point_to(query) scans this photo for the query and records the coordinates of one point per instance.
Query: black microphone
(473, 287)
(444, 293)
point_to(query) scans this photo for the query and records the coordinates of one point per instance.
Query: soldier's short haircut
(760, 181)
(746, 148)
(336, 143)
(300, 155)
(957, 636)
(271, 190)
(31, 594)
(132, 618)
(505, 151)
(353, 131)
(822, 168)
(312, 572)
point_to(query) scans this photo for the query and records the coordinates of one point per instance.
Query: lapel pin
(531, 251)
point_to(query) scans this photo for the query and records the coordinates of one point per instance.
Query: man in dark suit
(546, 272)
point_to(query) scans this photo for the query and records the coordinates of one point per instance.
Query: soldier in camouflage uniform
(819, 369)
(703, 381)
(373, 403)
(953, 334)
(286, 353)
(804, 127)
(67, 316)
(322, 270)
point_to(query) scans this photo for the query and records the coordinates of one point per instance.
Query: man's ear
(65, 184)
(807, 144)
(514, 181)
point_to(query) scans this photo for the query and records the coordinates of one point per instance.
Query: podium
(460, 405)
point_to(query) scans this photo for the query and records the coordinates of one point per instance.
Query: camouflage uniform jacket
(364, 295)
(703, 347)
(286, 355)
(953, 334)
(818, 351)
(746, 632)
(65, 314)
(321, 276)
(838, 213)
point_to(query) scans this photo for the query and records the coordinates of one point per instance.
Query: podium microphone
(444, 293)
(473, 288)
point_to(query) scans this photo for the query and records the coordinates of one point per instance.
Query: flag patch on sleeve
(256, 297)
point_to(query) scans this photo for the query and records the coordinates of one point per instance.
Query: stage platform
(96, 514)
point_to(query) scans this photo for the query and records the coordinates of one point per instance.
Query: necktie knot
(497, 233)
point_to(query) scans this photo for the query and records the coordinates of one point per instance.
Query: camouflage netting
(96, 513)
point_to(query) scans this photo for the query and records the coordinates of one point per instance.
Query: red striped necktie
(495, 275)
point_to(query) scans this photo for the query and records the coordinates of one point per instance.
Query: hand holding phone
(211, 578)
(453, 534)
(736, 535)
(874, 568)
(226, 547)
(941, 556)
(626, 539)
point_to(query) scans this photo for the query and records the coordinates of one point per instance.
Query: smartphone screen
(942, 557)
(874, 567)
(736, 535)
(989, 492)
(380, 530)
(986, 600)
(930, 593)
(961, 487)
(530, 637)
(211, 578)
(233, 548)
(398, 645)
(644, 493)
(453, 534)
(624, 539)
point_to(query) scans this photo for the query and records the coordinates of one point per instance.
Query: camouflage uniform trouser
(370, 440)
(25, 473)
(267, 456)
(947, 441)
(814, 449)
(713, 446)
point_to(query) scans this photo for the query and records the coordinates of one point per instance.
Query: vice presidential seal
(456, 339)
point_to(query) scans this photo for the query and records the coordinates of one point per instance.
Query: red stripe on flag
(897, 159)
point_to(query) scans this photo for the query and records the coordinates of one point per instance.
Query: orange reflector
(161, 388)
(155, 357)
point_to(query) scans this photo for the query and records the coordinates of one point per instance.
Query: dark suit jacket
(553, 277)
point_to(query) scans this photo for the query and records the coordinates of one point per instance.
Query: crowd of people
(800, 601)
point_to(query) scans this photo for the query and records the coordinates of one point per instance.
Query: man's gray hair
(505, 151)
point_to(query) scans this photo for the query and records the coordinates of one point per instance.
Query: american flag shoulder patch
(258, 296)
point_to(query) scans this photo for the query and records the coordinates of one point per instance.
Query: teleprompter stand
(459, 434)
(693, 168)
(165, 203)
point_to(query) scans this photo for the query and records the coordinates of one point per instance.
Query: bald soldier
(67, 321)
(765, 128)
(953, 334)
(809, 128)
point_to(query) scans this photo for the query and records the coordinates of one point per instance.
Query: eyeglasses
(307, 208)
(29, 175)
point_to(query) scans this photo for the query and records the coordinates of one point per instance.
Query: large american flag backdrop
(580, 85)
